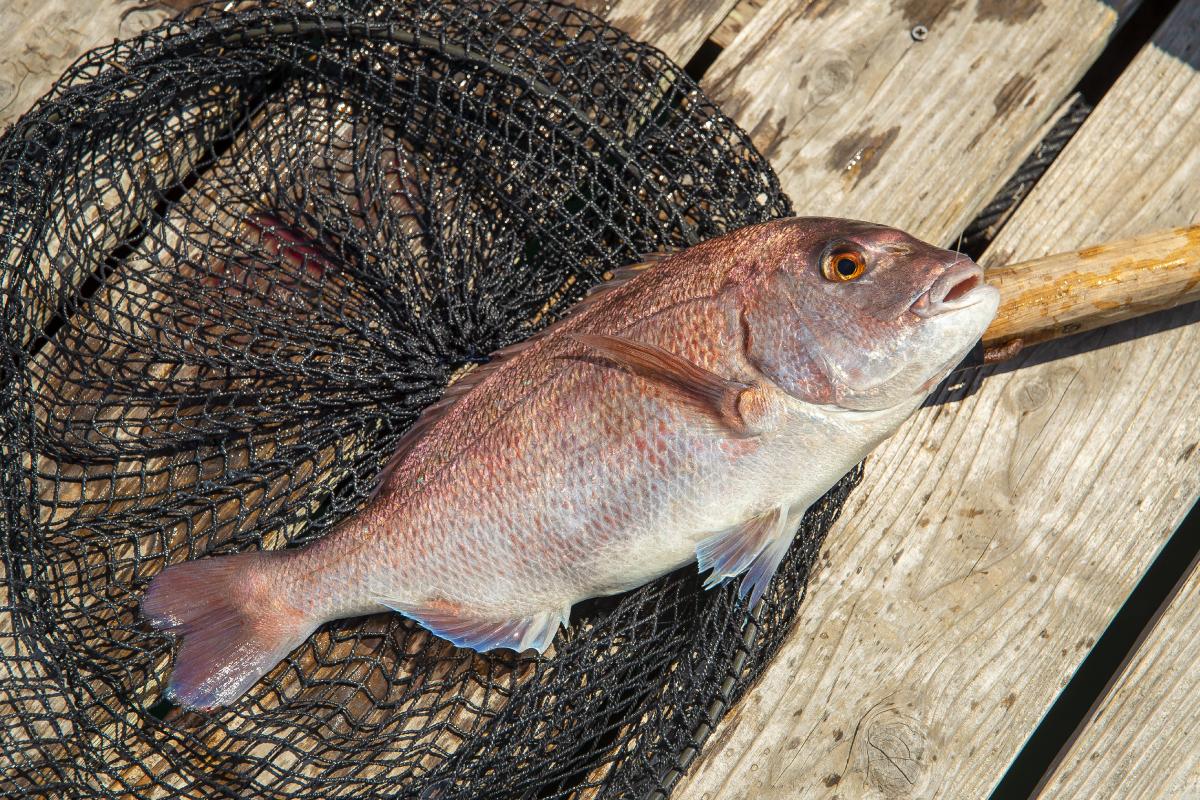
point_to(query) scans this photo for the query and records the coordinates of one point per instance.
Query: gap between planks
(1140, 742)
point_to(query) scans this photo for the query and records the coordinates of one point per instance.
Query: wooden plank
(735, 21)
(996, 534)
(677, 27)
(43, 37)
(850, 109)
(1141, 742)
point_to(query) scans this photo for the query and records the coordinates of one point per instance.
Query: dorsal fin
(614, 279)
(436, 410)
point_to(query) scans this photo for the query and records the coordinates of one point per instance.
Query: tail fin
(234, 626)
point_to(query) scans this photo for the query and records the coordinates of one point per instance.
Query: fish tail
(235, 627)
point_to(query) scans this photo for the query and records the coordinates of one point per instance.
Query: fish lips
(960, 286)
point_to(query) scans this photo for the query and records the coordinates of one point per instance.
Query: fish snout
(960, 286)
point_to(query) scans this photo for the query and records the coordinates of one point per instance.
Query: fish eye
(843, 265)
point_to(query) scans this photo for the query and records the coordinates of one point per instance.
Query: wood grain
(43, 37)
(1067, 293)
(677, 27)
(735, 21)
(862, 121)
(1141, 743)
(996, 534)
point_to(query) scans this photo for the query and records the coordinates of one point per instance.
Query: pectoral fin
(722, 400)
(464, 629)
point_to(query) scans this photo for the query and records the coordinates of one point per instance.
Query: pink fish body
(689, 410)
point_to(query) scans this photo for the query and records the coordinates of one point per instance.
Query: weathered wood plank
(735, 21)
(43, 37)
(994, 537)
(677, 27)
(1142, 741)
(860, 120)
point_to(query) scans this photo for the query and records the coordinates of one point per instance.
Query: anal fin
(462, 629)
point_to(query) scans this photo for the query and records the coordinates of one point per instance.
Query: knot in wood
(892, 751)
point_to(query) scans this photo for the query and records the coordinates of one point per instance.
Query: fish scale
(689, 410)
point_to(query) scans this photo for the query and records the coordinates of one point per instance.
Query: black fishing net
(239, 255)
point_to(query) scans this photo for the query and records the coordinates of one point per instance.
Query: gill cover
(837, 329)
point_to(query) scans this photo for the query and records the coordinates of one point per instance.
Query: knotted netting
(240, 253)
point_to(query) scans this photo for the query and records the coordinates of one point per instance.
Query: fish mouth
(960, 286)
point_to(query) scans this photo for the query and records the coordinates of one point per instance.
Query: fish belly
(791, 469)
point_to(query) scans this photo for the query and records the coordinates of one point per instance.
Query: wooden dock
(997, 535)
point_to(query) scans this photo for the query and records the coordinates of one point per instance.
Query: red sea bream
(690, 409)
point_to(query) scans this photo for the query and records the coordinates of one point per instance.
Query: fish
(687, 410)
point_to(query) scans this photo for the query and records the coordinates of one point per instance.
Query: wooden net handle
(1066, 293)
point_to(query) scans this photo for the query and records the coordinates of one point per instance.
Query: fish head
(857, 315)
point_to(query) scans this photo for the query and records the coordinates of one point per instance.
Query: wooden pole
(1066, 293)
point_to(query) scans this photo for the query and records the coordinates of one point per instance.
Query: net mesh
(238, 255)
